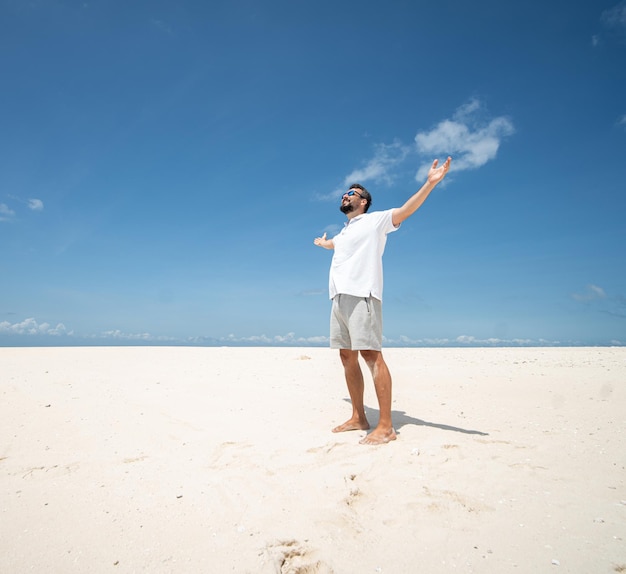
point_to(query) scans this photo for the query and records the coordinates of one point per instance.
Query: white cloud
(595, 298)
(380, 167)
(471, 140)
(117, 334)
(469, 340)
(622, 121)
(288, 339)
(314, 292)
(467, 136)
(122, 336)
(333, 229)
(615, 17)
(35, 204)
(162, 26)
(5, 212)
(591, 293)
(31, 327)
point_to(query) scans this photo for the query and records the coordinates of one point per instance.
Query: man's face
(350, 201)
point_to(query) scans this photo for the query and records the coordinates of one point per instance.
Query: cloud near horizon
(31, 327)
(289, 339)
(120, 335)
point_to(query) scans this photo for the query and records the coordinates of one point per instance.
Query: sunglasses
(351, 193)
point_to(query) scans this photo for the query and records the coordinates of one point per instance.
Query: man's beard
(347, 208)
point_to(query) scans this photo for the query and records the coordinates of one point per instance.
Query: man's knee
(371, 357)
(348, 356)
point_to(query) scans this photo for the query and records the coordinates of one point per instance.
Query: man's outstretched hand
(323, 242)
(436, 174)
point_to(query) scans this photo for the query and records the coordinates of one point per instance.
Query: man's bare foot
(378, 436)
(352, 424)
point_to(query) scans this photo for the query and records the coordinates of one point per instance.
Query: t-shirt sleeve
(385, 222)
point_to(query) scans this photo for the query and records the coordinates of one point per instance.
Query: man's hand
(323, 242)
(436, 174)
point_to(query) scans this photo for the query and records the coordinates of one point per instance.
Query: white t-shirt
(357, 265)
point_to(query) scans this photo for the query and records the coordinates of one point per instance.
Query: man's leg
(354, 380)
(384, 432)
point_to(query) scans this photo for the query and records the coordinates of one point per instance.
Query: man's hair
(364, 193)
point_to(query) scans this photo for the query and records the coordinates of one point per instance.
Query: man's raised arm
(435, 175)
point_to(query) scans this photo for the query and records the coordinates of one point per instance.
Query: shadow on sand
(400, 419)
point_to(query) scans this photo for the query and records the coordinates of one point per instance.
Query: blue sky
(166, 165)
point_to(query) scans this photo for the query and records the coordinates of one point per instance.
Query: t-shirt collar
(356, 218)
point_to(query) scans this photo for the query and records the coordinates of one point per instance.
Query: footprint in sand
(55, 470)
(442, 499)
(324, 449)
(230, 454)
(354, 492)
(291, 557)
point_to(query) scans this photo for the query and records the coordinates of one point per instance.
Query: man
(356, 289)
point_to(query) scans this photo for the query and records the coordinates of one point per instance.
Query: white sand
(211, 460)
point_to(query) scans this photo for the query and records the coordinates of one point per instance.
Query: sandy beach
(211, 460)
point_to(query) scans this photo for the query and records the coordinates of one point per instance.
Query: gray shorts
(356, 323)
